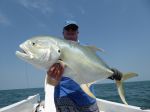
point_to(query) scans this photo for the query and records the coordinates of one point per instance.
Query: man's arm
(55, 73)
(53, 77)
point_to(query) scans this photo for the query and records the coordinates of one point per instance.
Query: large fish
(82, 62)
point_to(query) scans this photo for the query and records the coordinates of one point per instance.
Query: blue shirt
(68, 87)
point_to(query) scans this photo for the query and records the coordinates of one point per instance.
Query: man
(69, 97)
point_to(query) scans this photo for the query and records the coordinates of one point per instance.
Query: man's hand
(55, 72)
(117, 75)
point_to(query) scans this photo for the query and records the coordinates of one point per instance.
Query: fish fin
(120, 85)
(85, 88)
(68, 69)
(121, 91)
(70, 72)
(89, 84)
(129, 75)
(94, 48)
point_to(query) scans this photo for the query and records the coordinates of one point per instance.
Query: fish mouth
(22, 52)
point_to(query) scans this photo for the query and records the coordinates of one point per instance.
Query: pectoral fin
(70, 72)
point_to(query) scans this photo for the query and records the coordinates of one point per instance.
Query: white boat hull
(108, 106)
(28, 105)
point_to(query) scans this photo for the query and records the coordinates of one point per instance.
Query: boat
(33, 104)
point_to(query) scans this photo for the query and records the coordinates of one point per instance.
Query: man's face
(70, 35)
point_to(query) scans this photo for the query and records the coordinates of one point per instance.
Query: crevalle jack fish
(82, 62)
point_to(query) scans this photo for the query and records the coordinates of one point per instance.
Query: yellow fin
(129, 75)
(121, 91)
(85, 88)
(120, 85)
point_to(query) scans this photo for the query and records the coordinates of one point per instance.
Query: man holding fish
(69, 96)
(64, 60)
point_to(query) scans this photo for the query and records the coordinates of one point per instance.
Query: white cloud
(4, 20)
(44, 6)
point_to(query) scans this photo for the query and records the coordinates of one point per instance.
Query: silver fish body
(82, 62)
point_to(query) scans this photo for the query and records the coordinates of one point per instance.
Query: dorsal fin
(94, 48)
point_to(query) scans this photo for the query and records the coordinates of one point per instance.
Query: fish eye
(59, 50)
(33, 43)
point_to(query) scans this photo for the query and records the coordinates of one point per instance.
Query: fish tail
(120, 85)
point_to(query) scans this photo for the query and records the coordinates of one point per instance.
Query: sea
(137, 93)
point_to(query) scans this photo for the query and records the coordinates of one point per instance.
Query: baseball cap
(71, 25)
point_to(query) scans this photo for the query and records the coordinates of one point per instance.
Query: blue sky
(120, 27)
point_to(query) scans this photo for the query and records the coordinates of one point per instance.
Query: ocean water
(137, 93)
